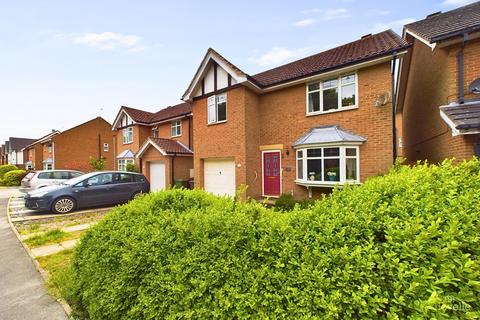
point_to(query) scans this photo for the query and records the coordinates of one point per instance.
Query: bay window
(335, 94)
(327, 165)
(217, 108)
(122, 164)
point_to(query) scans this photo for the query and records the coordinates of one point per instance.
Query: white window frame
(105, 147)
(339, 90)
(155, 132)
(127, 135)
(175, 128)
(342, 163)
(212, 102)
(122, 164)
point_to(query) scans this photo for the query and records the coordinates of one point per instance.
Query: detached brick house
(440, 86)
(158, 144)
(299, 128)
(40, 149)
(73, 148)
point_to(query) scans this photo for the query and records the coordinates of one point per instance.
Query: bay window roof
(328, 135)
(127, 154)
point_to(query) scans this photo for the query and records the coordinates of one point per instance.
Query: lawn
(56, 265)
(51, 237)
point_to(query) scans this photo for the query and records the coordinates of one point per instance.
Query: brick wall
(164, 131)
(432, 82)
(75, 147)
(279, 118)
(182, 165)
(140, 134)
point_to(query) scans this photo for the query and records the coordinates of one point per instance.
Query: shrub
(285, 202)
(6, 168)
(97, 164)
(13, 178)
(132, 167)
(404, 245)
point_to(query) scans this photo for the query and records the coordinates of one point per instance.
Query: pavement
(22, 292)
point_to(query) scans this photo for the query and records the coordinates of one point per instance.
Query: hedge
(6, 168)
(13, 178)
(405, 245)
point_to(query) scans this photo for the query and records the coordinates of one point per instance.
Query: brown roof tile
(445, 25)
(171, 146)
(368, 47)
(148, 117)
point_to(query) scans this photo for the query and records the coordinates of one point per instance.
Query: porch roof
(328, 135)
(462, 118)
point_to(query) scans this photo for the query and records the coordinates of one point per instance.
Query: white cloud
(456, 2)
(111, 41)
(305, 22)
(395, 25)
(322, 15)
(278, 55)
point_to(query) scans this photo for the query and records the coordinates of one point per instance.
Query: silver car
(39, 179)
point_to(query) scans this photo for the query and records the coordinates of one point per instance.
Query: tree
(97, 164)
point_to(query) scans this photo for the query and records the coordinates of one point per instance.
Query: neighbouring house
(3, 155)
(300, 128)
(74, 148)
(38, 151)
(440, 86)
(158, 144)
(13, 151)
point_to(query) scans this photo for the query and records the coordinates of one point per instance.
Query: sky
(65, 62)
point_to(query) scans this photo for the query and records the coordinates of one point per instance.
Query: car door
(124, 188)
(95, 191)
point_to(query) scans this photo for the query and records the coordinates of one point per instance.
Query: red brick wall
(140, 134)
(75, 147)
(164, 131)
(182, 165)
(432, 82)
(279, 118)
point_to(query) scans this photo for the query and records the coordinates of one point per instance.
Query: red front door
(271, 173)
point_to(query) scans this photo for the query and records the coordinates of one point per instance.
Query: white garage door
(219, 176)
(157, 176)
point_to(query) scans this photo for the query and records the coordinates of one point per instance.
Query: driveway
(22, 294)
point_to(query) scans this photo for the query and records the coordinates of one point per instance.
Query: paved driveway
(22, 294)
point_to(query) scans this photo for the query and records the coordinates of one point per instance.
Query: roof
(171, 146)
(462, 118)
(327, 135)
(440, 26)
(170, 112)
(42, 139)
(368, 47)
(166, 147)
(126, 154)
(19, 143)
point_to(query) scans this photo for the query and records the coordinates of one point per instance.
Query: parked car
(89, 190)
(39, 179)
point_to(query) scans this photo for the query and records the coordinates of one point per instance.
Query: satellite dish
(383, 99)
(474, 87)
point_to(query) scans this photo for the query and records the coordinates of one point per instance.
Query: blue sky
(65, 62)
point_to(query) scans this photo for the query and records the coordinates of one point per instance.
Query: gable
(122, 120)
(214, 73)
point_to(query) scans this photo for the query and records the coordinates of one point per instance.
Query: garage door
(157, 176)
(219, 176)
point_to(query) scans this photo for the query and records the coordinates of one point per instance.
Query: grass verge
(51, 237)
(57, 265)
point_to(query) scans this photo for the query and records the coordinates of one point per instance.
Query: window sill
(125, 143)
(327, 184)
(218, 122)
(310, 114)
(176, 136)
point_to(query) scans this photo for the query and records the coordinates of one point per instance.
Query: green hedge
(13, 178)
(405, 245)
(6, 168)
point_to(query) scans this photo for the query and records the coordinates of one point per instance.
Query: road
(22, 293)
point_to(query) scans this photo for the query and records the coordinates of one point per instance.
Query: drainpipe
(394, 102)
(173, 170)
(461, 97)
(99, 148)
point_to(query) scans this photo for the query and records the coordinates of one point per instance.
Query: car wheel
(137, 195)
(63, 205)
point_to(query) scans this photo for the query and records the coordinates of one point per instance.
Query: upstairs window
(217, 108)
(127, 135)
(176, 128)
(335, 94)
(50, 148)
(155, 132)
